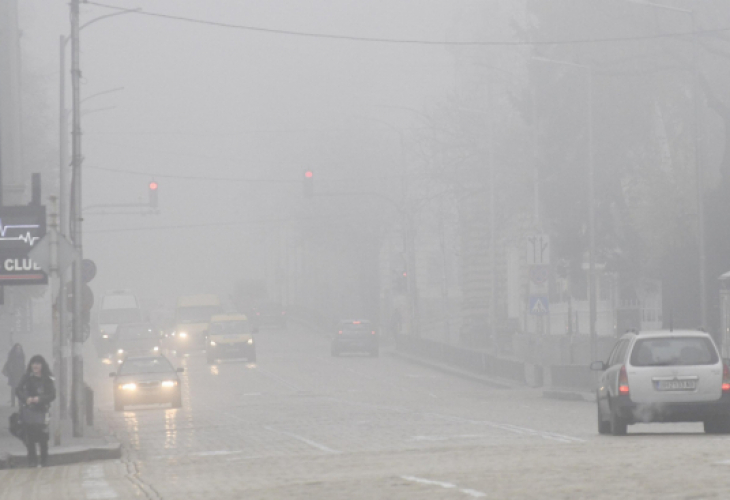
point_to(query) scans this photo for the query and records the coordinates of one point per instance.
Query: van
(117, 307)
(192, 319)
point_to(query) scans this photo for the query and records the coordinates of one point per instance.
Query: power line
(352, 38)
(234, 179)
(193, 177)
(226, 224)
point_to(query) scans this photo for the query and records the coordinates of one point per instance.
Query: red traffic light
(153, 186)
(308, 174)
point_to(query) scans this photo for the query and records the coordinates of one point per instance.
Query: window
(674, 351)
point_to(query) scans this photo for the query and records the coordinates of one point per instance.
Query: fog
(492, 194)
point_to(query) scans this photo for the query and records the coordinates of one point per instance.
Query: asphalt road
(302, 424)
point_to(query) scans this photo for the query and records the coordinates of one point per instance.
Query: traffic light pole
(77, 389)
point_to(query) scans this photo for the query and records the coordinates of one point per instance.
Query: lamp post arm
(106, 16)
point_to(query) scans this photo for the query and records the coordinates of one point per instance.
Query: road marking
(314, 444)
(214, 453)
(280, 380)
(445, 485)
(561, 438)
(446, 438)
(95, 485)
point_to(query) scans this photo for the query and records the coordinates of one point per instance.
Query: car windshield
(145, 365)
(196, 314)
(116, 316)
(229, 327)
(136, 332)
(674, 351)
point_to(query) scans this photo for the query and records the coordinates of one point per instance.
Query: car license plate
(676, 385)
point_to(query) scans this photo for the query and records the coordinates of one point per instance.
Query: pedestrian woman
(14, 369)
(36, 391)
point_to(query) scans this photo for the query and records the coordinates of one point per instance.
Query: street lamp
(77, 390)
(591, 204)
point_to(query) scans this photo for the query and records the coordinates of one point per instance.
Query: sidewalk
(97, 443)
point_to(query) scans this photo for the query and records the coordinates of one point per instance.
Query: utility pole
(55, 319)
(62, 371)
(492, 226)
(77, 390)
(592, 292)
(699, 182)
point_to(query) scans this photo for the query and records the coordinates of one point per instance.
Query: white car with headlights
(663, 376)
(145, 380)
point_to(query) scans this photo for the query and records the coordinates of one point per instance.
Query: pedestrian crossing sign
(539, 305)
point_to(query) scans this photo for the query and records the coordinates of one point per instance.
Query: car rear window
(674, 351)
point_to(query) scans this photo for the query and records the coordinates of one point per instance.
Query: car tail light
(340, 332)
(623, 381)
(373, 332)
(725, 378)
(283, 313)
(258, 314)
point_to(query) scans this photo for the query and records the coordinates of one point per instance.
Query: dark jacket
(14, 367)
(31, 386)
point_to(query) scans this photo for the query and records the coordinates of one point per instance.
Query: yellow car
(230, 336)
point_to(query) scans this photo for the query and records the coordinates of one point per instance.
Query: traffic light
(153, 186)
(308, 184)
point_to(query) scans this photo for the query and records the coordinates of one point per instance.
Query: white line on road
(303, 440)
(445, 485)
(562, 438)
(446, 438)
(95, 485)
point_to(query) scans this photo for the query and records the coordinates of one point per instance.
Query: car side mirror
(180, 370)
(113, 374)
(598, 366)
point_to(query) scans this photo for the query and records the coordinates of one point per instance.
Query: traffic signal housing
(308, 186)
(153, 188)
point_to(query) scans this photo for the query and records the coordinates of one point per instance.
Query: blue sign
(539, 305)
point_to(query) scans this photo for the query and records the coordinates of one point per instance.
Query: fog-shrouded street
(302, 424)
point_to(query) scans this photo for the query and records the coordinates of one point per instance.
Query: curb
(66, 455)
(474, 377)
(569, 395)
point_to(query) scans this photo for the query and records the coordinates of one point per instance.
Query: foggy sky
(206, 101)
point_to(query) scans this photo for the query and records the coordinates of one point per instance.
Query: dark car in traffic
(269, 314)
(355, 336)
(143, 380)
(134, 339)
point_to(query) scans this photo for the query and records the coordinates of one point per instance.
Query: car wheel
(210, 359)
(118, 406)
(617, 424)
(375, 353)
(719, 425)
(335, 352)
(251, 357)
(177, 400)
(604, 427)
